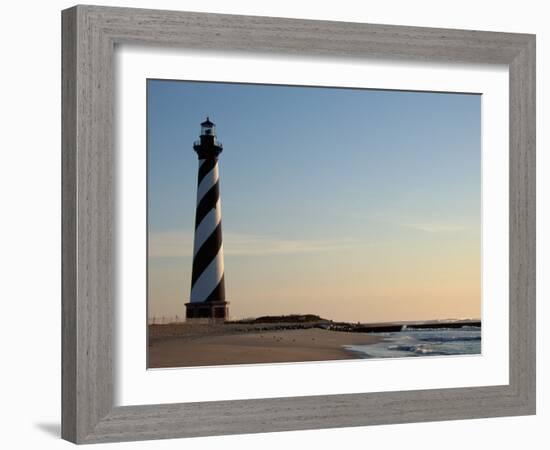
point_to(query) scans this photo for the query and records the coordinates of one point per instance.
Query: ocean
(423, 342)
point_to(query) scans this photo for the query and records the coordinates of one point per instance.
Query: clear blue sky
(310, 172)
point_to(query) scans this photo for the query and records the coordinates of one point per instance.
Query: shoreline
(272, 339)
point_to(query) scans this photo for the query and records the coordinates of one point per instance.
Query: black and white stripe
(207, 283)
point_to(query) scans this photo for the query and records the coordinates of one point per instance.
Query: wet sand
(268, 346)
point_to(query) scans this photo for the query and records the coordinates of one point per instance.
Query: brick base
(217, 311)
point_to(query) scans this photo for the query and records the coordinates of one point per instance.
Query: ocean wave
(465, 328)
(417, 343)
(439, 339)
(420, 349)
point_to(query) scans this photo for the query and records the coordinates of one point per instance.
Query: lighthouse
(207, 300)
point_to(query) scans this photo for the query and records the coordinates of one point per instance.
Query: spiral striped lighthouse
(207, 299)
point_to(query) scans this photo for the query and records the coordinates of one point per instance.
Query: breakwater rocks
(295, 322)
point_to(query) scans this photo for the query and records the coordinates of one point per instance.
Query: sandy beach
(185, 347)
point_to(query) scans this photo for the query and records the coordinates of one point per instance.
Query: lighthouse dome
(208, 128)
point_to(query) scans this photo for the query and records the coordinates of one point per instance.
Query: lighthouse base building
(217, 311)
(207, 300)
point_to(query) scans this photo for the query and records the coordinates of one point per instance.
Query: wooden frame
(89, 37)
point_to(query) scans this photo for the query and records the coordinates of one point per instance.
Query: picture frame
(89, 37)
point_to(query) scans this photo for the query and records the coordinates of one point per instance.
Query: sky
(353, 204)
